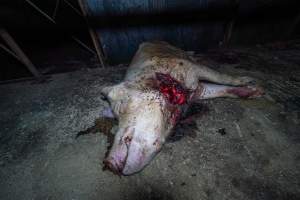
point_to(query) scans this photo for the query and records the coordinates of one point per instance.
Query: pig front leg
(213, 91)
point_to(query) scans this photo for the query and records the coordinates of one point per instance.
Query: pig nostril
(127, 140)
(113, 166)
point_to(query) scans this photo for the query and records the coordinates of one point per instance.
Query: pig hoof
(257, 92)
(246, 92)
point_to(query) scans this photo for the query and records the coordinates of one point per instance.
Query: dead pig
(161, 82)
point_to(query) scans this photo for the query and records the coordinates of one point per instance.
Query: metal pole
(75, 9)
(55, 9)
(19, 53)
(93, 35)
(42, 12)
(10, 52)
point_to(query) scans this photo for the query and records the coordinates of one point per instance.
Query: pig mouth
(116, 165)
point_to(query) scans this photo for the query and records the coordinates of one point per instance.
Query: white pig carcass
(160, 82)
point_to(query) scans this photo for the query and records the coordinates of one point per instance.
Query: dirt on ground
(241, 149)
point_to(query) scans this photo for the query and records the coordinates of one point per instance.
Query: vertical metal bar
(228, 32)
(230, 25)
(93, 35)
(96, 42)
(55, 9)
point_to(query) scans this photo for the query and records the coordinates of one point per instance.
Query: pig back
(154, 57)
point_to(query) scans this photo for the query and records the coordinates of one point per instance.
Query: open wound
(171, 89)
(174, 92)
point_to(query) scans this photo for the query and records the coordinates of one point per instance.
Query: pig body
(159, 85)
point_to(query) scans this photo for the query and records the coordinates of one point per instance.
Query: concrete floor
(258, 157)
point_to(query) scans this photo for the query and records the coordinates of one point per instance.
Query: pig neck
(175, 95)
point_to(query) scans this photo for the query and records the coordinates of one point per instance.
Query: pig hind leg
(214, 91)
(207, 74)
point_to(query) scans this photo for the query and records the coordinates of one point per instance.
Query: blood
(175, 115)
(172, 90)
(245, 92)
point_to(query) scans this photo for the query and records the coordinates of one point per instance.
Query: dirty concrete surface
(243, 149)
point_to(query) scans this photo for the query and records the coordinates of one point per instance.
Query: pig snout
(128, 161)
(116, 161)
(117, 157)
(130, 155)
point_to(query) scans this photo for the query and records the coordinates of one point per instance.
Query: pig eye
(104, 98)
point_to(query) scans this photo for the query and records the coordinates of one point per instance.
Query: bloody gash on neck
(171, 89)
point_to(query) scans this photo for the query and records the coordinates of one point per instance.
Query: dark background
(52, 50)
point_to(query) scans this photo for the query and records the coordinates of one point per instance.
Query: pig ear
(115, 92)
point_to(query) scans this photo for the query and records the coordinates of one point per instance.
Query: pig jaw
(138, 158)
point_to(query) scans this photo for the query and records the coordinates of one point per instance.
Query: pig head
(144, 124)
